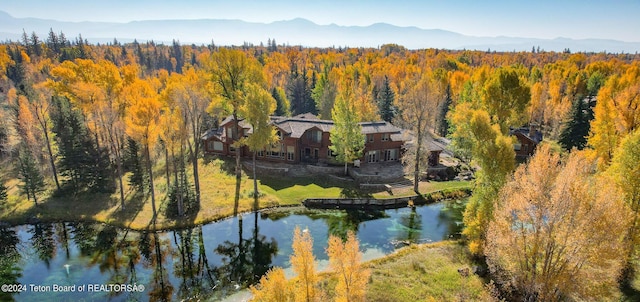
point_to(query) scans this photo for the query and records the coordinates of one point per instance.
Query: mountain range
(293, 32)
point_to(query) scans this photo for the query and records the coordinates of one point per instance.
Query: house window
(330, 153)
(217, 146)
(291, 153)
(390, 154)
(277, 150)
(372, 156)
(210, 145)
(517, 147)
(385, 137)
(230, 132)
(260, 153)
(370, 138)
(314, 136)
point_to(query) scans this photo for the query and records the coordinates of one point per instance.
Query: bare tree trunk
(51, 158)
(255, 184)
(166, 166)
(43, 126)
(416, 172)
(153, 193)
(238, 167)
(177, 182)
(119, 169)
(194, 158)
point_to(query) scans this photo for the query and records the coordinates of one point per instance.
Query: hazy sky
(619, 19)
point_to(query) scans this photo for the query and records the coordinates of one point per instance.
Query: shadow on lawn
(279, 183)
(134, 202)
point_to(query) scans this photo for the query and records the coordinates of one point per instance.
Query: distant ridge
(294, 32)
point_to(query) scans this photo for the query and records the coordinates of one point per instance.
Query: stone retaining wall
(366, 178)
(387, 203)
(325, 170)
(357, 203)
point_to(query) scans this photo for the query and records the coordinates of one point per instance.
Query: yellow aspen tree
(347, 139)
(189, 92)
(173, 133)
(304, 265)
(506, 98)
(493, 153)
(558, 231)
(617, 113)
(96, 88)
(625, 171)
(230, 72)
(40, 107)
(24, 119)
(256, 110)
(603, 137)
(273, 287)
(344, 260)
(142, 123)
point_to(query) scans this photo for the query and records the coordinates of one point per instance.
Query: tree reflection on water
(10, 269)
(244, 262)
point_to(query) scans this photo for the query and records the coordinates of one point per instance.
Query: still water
(97, 262)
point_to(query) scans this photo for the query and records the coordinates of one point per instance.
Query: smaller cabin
(527, 139)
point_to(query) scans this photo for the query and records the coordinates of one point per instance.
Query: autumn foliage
(344, 259)
(63, 100)
(557, 231)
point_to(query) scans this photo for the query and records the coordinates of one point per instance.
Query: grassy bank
(427, 272)
(218, 187)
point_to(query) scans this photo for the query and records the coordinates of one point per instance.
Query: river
(74, 261)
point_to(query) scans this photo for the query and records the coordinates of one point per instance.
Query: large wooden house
(305, 138)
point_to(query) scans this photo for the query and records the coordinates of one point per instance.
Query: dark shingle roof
(296, 126)
(532, 134)
(213, 133)
(379, 127)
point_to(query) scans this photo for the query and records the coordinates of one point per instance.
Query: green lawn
(290, 190)
(426, 187)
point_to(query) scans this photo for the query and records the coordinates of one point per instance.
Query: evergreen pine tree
(385, 98)
(299, 89)
(80, 160)
(32, 179)
(442, 124)
(576, 129)
(3, 192)
(100, 170)
(184, 192)
(133, 163)
(282, 104)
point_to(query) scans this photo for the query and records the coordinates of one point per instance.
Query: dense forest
(77, 117)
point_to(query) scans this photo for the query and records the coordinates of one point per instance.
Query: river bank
(217, 202)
